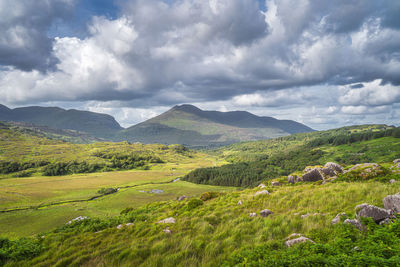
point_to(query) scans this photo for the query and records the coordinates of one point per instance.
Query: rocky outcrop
(328, 172)
(338, 218)
(265, 213)
(376, 213)
(292, 179)
(77, 219)
(356, 224)
(168, 220)
(313, 176)
(276, 184)
(295, 238)
(396, 161)
(392, 202)
(366, 171)
(263, 192)
(334, 166)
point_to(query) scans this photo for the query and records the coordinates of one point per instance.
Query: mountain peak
(186, 108)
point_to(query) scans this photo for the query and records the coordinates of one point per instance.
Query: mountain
(96, 124)
(189, 125)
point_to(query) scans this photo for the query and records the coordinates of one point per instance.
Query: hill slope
(189, 125)
(96, 124)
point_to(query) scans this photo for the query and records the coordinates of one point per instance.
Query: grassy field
(208, 234)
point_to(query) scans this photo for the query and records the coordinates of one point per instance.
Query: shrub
(194, 203)
(209, 195)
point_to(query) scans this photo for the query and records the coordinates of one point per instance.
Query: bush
(209, 195)
(107, 191)
(21, 249)
(194, 203)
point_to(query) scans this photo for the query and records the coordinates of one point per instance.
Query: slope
(192, 126)
(96, 124)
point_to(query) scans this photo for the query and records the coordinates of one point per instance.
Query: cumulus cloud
(343, 57)
(24, 43)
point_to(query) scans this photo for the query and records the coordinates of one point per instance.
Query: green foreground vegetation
(122, 224)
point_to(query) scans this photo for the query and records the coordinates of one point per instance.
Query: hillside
(96, 124)
(189, 125)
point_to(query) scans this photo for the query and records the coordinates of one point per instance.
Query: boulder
(275, 183)
(334, 166)
(261, 186)
(168, 220)
(328, 172)
(396, 161)
(385, 221)
(298, 180)
(298, 240)
(77, 219)
(265, 213)
(392, 202)
(291, 179)
(376, 213)
(338, 218)
(392, 181)
(253, 214)
(356, 224)
(167, 231)
(313, 176)
(263, 192)
(182, 198)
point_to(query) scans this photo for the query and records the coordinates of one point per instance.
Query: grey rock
(376, 213)
(313, 176)
(328, 172)
(276, 184)
(396, 161)
(261, 186)
(392, 202)
(168, 220)
(298, 180)
(263, 192)
(305, 215)
(365, 165)
(298, 240)
(291, 179)
(265, 213)
(79, 218)
(392, 181)
(334, 166)
(167, 230)
(338, 218)
(182, 198)
(385, 221)
(356, 224)
(253, 214)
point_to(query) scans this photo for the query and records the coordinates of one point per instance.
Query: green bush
(194, 203)
(20, 249)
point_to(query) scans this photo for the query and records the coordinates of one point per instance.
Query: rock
(265, 213)
(167, 231)
(392, 181)
(275, 183)
(366, 171)
(338, 218)
(298, 240)
(240, 202)
(294, 235)
(298, 180)
(79, 218)
(392, 202)
(263, 192)
(396, 161)
(305, 215)
(156, 191)
(356, 223)
(376, 213)
(334, 166)
(182, 198)
(328, 172)
(313, 176)
(261, 186)
(385, 221)
(168, 220)
(291, 179)
(120, 226)
(307, 169)
(253, 214)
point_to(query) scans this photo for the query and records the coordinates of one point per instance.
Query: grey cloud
(24, 43)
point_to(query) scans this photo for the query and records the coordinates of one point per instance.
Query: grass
(208, 234)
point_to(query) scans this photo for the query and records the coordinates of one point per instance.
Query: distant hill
(96, 124)
(189, 125)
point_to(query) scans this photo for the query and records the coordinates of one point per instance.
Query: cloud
(24, 43)
(343, 57)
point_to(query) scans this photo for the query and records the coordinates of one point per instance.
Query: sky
(325, 63)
